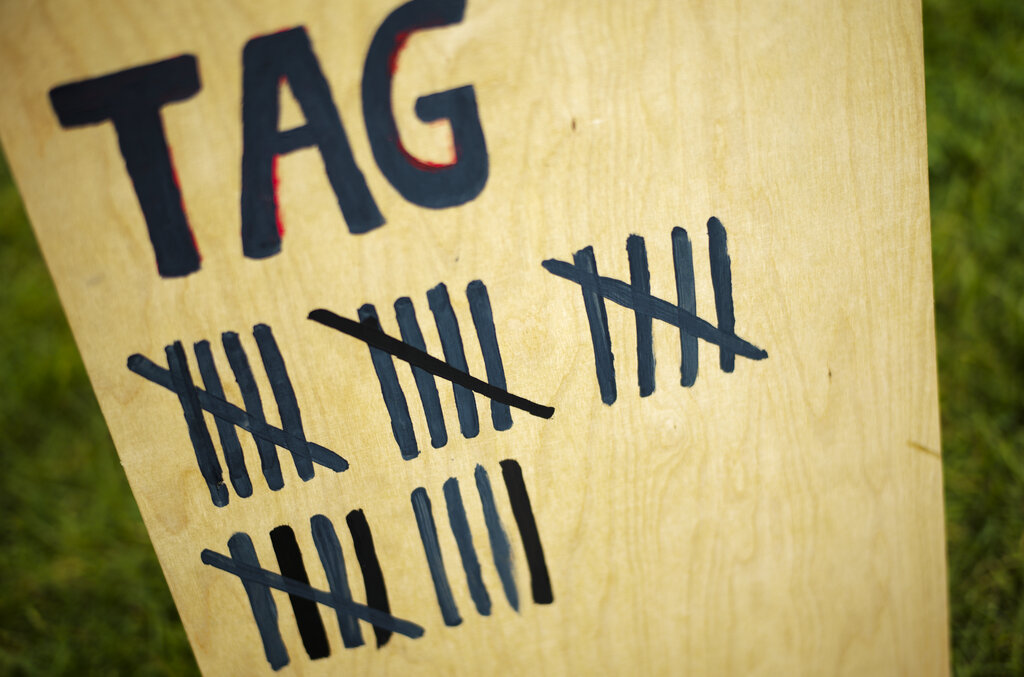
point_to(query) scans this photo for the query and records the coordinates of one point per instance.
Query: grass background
(81, 589)
(974, 68)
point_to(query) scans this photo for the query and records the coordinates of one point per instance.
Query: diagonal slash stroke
(292, 587)
(375, 337)
(622, 294)
(222, 409)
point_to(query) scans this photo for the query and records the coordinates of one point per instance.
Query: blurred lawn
(974, 64)
(81, 589)
(81, 592)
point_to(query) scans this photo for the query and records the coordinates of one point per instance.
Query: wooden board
(777, 510)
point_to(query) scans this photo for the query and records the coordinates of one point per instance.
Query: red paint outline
(423, 165)
(181, 197)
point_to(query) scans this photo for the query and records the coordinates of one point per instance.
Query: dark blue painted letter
(422, 183)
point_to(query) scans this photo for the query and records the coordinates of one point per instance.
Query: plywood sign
(517, 337)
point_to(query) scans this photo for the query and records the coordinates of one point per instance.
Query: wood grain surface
(782, 519)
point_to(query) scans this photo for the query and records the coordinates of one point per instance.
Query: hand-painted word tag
(132, 100)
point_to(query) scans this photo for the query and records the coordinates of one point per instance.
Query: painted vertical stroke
(640, 281)
(597, 317)
(686, 295)
(269, 462)
(432, 550)
(373, 577)
(501, 549)
(483, 320)
(307, 615)
(202, 444)
(264, 610)
(276, 581)
(287, 405)
(425, 384)
(721, 281)
(454, 355)
(225, 430)
(333, 560)
(521, 510)
(391, 389)
(464, 539)
(621, 293)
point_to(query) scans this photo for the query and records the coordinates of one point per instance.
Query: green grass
(82, 592)
(974, 64)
